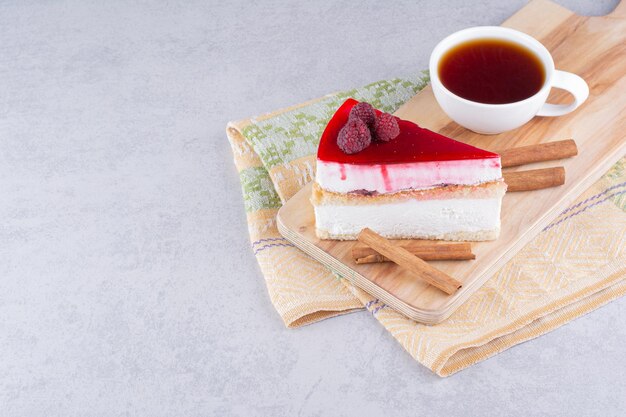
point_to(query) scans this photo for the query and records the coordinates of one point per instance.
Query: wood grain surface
(592, 47)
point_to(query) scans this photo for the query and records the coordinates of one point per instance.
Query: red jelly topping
(413, 144)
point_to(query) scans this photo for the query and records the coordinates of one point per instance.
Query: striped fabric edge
(540, 320)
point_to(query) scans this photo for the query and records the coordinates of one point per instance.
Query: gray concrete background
(127, 283)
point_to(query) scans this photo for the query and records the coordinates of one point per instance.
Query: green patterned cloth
(574, 266)
(295, 134)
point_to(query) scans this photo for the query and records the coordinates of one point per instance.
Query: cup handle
(572, 83)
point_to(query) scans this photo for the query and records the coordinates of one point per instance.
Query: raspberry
(386, 127)
(365, 112)
(354, 136)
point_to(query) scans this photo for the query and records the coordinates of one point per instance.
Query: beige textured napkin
(575, 265)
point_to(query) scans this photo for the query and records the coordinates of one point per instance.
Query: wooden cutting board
(592, 47)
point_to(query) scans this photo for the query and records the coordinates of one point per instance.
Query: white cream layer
(391, 178)
(411, 217)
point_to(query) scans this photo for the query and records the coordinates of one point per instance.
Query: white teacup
(497, 118)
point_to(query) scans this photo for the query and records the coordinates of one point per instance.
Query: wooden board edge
(421, 315)
(453, 303)
(540, 224)
(431, 317)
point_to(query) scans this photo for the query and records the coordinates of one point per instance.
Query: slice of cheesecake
(420, 184)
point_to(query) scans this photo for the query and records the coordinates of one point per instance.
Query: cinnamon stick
(371, 259)
(408, 261)
(537, 153)
(428, 250)
(534, 179)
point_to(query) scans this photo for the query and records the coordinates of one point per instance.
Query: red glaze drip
(413, 144)
(342, 172)
(385, 175)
